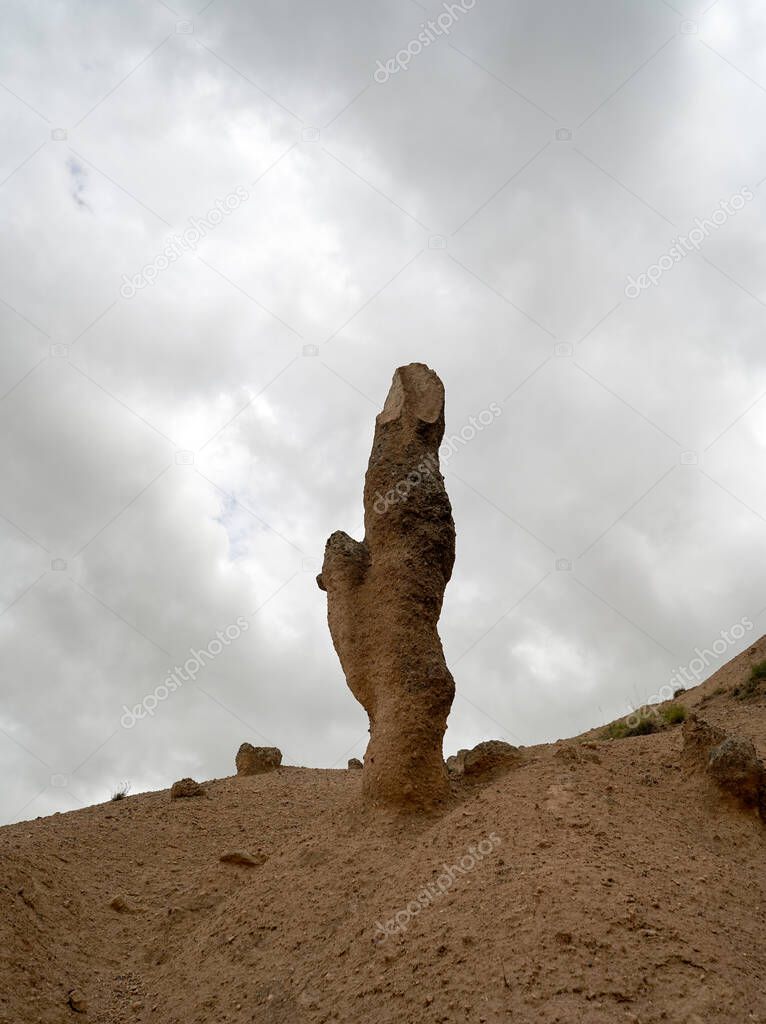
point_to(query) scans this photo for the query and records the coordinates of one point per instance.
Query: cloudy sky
(226, 223)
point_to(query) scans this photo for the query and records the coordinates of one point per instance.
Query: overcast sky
(225, 224)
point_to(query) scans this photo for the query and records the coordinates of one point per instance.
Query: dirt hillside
(599, 880)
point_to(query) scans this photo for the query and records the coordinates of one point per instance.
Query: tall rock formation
(384, 597)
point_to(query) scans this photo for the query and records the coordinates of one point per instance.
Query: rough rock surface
(490, 755)
(77, 1001)
(731, 761)
(486, 757)
(257, 760)
(384, 597)
(184, 788)
(699, 738)
(736, 767)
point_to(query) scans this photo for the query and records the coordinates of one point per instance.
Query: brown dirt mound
(594, 882)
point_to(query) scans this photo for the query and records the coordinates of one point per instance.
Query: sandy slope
(621, 889)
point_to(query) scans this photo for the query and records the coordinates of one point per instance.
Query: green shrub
(614, 731)
(673, 714)
(639, 723)
(644, 726)
(644, 721)
(752, 685)
(750, 688)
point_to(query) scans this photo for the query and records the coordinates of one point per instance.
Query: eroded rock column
(384, 597)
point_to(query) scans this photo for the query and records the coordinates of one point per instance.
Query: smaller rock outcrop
(699, 738)
(185, 787)
(354, 762)
(257, 760)
(485, 758)
(730, 761)
(736, 767)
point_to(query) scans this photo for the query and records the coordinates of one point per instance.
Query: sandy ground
(606, 884)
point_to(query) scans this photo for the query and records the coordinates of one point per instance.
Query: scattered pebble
(77, 1001)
